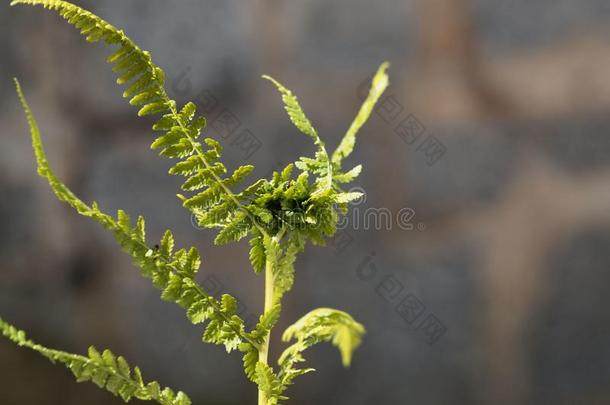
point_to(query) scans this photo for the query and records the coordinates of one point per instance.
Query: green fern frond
(133, 65)
(348, 176)
(279, 216)
(250, 359)
(257, 252)
(269, 383)
(342, 198)
(300, 120)
(105, 369)
(180, 128)
(378, 86)
(284, 273)
(319, 325)
(236, 229)
(172, 273)
(266, 322)
(295, 112)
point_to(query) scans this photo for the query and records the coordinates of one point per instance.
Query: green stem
(263, 353)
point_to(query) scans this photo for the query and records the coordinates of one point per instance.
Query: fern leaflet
(300, 120)
(319, 325)
(104, 369)
(380, 83)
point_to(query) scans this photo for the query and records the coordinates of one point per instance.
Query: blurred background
(492, 138)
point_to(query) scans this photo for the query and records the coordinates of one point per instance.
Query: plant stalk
(263, 353)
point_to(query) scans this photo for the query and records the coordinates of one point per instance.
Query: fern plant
(299, 204)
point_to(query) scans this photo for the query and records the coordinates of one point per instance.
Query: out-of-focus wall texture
(493, 139)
